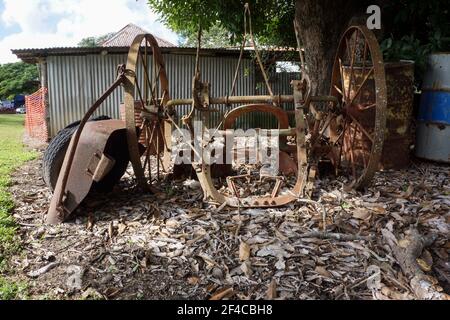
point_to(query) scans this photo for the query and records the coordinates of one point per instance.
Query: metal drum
(400, 95)
(433, 129)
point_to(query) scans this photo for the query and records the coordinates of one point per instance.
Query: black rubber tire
(56, 151)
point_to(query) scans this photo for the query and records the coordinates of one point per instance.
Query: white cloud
(50, 23)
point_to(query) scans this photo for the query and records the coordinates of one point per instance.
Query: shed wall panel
(75, 82)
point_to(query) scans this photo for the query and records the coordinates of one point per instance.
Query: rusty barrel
(400, 101)
(400, 96)
(433, 127)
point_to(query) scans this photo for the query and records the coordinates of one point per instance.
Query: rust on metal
(346, 128)
(57, 209)
(211, 194)
(359, 82)
(400, 97)
(154, 93)
(101, 145)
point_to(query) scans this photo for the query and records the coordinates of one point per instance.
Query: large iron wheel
(357, 129)
(146, 92)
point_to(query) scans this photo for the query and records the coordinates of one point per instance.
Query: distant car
(21, 110)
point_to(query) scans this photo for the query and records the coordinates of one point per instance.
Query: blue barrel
(433, 127)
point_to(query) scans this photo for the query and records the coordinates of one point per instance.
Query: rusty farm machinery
(345, 129)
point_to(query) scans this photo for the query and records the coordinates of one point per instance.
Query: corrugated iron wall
(75, 82)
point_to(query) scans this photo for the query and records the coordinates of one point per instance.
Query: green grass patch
(12, 155)
(10, 290)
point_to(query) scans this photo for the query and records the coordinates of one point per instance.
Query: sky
(61, 23)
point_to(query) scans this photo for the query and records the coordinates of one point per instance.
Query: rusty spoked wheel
(359, 83)
(146, 93)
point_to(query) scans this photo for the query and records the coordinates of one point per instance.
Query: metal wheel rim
(364, 179)
(131, 85)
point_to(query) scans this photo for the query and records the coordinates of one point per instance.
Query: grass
(10, 290)
(12, 155)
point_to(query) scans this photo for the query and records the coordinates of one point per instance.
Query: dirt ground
(129, 245)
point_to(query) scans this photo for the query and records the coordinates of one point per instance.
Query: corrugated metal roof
(32, 55)
(126, 35)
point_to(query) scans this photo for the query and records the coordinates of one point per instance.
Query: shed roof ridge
(130, 26)
(118, 33)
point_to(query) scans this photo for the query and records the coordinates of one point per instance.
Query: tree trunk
(321, 23)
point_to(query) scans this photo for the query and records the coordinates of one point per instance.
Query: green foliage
(95, 41)
(272, 20)
(11, 290)
(414, 29)
(12, 155)
(408, 48)
(18, 78)
(215, 37)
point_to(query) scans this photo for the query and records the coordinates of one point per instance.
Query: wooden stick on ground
(406, 252)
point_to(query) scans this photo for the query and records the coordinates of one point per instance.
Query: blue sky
(59, 23)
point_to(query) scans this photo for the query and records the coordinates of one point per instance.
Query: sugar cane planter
(345, 128)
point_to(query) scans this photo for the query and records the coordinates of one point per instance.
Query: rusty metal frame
(97, 165)
(203, 170)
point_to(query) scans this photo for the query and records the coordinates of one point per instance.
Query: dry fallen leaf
(193, 280)
(409, 191)
(121, 228)
(423, 265)
(244, 251)
(111, 230)
(323, 272)
(272, 290)
(362, 214)
(209, 261)
(247, 268)
(404, 243)
(91, 222)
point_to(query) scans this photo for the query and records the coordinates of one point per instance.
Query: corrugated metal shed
(75, 82)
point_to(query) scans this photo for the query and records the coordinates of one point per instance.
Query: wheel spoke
(341, 67)
(155, 77)
(367, 107)
(163, 137)
(338, 90)
(352, 155)
(361, 85)
(146, 161)
(354, 120)
(327, 124)
(364, 66)
(342, 138)
(363, 151)
(347, 47)
(139, 91)
(156, 83)
(352, 66)
(149, 149)
(147, 78)
(157, 153)
(159, 161)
